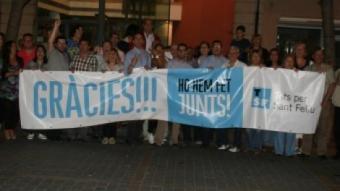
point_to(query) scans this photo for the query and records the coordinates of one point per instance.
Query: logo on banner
(261, 98)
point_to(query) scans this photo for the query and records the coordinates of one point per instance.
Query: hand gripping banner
(260, 98)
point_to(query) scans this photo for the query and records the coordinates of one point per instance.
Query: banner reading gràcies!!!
(260, 98)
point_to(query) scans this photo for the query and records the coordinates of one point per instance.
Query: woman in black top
(9, 90)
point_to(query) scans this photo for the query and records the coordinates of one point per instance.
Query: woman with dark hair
(9, 91)
(102, 53)
(155, 130)
(255, 136)
(37, 63)
(285, 143)
(204, 51)
(113, 64)
(300, 52)
(40, 59)
(256, 45)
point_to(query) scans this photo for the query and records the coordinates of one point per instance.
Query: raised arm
(53, 35)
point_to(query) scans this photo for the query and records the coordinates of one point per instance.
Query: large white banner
(261, 98)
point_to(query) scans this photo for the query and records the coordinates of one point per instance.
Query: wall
(27, 21)
(272, 10)
(204, 20)
(245, 15)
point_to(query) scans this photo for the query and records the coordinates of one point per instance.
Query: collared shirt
(143, 59)
(57, 61)
(178, 63)
(149, 39)
(89, 63)
(201, 59)
(214, 62)
(237, 64)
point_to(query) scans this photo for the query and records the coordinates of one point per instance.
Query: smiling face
(79, 33)
(84, 46)
(112, 56)
(217, 49)
(318, 57)
(107, 46)
(40, 53)
(300, 50)
(257, 41)
(27, 42)
(147, 26)
(61, 44)
(256, 59)
(204, 49)
(289, 62)
(233, 54)
(274, 56)
(182, 52)
(138, 41)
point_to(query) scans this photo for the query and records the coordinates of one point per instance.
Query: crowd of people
(143, 49)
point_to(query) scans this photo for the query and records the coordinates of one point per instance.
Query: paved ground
(90, 166)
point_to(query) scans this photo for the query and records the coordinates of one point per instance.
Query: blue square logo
(261, 98)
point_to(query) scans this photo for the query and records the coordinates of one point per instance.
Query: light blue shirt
(213, 61)
(143, 57)
(237, 64)
(179, 64)
(201, 59)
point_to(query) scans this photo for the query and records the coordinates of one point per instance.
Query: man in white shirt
(234, 53)
(150, 37)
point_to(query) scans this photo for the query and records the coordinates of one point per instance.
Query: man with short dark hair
(84, 61)
(27, 52)
(242, 43)
(222, 138)
(323, 133)
(150, 37)
(136, 58)
(58, 59)
(216, 60)
(180, 62)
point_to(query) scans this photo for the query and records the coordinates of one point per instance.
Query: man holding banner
(323, 132)
(87, 62)
(216, 60)
(233, 55)
(180, 62)
(137, 57)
